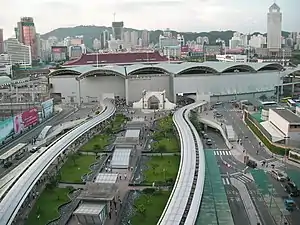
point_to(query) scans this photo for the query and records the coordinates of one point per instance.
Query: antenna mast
(114, 14)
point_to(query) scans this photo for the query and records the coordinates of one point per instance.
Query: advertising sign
(47, 108)
(6, 129)
(25, 120)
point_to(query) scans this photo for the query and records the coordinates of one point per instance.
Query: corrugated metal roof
(4, 80)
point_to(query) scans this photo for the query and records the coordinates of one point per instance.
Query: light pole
(286, 140)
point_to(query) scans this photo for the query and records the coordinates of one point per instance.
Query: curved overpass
(184, 201)
(17, 194)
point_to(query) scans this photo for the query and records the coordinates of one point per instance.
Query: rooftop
(98, 192)
(287, 115)
(89, 209)
(167, 68)
(132, 133)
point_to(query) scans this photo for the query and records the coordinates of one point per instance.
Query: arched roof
(164, 68)
(5, 80)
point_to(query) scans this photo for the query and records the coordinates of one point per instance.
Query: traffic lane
(236, 205)
(231, 163)
(294, 217)
(216, 138)
(224, 168)
(260, 205)
(36, 131)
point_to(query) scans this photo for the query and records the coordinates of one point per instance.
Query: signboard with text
(25, 120)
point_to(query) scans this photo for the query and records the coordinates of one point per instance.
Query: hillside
(91, 32)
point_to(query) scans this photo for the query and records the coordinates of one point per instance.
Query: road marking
(222, 152)
(226, 180)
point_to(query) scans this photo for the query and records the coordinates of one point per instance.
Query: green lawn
(161, 168)
(164, 136)
(152, 205)
(47, 206)
(96, 144)
(75, 167)
(118, 122)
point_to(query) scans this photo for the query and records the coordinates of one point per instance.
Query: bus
(16, 152)
(285, 100)
(291, 103)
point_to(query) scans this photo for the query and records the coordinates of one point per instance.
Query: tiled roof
(117, 58)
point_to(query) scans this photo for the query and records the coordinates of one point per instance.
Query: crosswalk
(220, 152)
(241, 177)
(226, 181)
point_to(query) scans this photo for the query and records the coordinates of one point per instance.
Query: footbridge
(185, 199)
(22, 184)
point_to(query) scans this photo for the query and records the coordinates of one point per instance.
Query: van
(291, 189)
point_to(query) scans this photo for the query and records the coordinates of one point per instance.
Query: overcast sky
(181, 15)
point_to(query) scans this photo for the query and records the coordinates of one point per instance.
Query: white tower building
(274, 28)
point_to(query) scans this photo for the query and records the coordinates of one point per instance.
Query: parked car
(208, 141)
(205, 136)
(291, 189)
(7, 164)
(276, 174)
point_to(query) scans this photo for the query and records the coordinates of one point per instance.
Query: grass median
(97, 143)
(148, 208)
(46, 206)
(161, 169)
(75, 167)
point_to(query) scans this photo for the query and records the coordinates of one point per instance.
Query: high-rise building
(1, 41)
(127, 37)
(18, 52)
(134, 38)
(118, 30)
(274, 28)
(145, 38)
(104, 39)
(26, 34)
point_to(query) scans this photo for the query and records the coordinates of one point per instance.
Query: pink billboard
(25, 119)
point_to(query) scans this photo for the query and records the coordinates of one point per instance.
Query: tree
(263, 98)
(161, 149)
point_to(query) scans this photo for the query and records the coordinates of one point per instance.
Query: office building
(134, 38)
(257, 41)
(127, 37)
(18, 52)
(26, 34)
(76, 51)
(118, 30)
(145, 38)
(274, 29)
(1, 41)
(59, 53)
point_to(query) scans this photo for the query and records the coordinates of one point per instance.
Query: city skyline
(212, 15)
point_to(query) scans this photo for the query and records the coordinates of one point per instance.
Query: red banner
(25, 119)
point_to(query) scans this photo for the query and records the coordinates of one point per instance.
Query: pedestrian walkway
(214, 209)
(226, 181)
(222, 152)
(242, 178)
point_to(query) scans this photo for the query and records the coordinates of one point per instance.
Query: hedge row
(273, 148)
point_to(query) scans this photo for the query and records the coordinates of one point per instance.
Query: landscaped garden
(46, 206)
(75, 167)
(164, 138)
(161, 169)
(149, 207)
(100, 141)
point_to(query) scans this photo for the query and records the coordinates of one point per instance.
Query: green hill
(91, 32)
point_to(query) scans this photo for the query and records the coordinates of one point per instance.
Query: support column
(293, 88)
(126, 91)
(32, 96)
(17, 94)
(79, 93)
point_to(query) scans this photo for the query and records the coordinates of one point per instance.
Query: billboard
(6, 129)
(47, 108)
(25, 120)
(59, 49)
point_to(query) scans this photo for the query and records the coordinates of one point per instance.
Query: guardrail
(14, 199)
(184, 202)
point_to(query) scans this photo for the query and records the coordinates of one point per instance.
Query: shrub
(148, 191)
(273, 148)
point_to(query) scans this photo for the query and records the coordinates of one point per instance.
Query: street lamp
(286, 141)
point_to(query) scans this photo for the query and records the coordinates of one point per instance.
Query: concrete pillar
(33, 96)
(79, 94)
(293, 88)
(17, 94)
(126, 91)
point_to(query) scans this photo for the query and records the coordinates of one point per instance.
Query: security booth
(96, 200)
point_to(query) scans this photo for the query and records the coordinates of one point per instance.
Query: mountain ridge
(90, 32)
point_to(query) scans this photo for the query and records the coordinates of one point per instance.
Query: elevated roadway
(184, 202)
(13, 200)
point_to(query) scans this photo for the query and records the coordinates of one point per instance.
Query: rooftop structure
(169, 68)
(117, 58)
(99, 192)
(121, 158)
(288, 115)
(106, 178)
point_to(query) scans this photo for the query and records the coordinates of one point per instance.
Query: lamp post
(286, 140)
(79, 91)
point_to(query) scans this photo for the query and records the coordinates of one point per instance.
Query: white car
(278, 175)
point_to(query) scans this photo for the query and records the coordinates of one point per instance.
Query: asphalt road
(260, 205)
(238, 211)
(294, 217)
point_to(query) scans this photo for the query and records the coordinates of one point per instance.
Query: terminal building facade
(214, 81)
